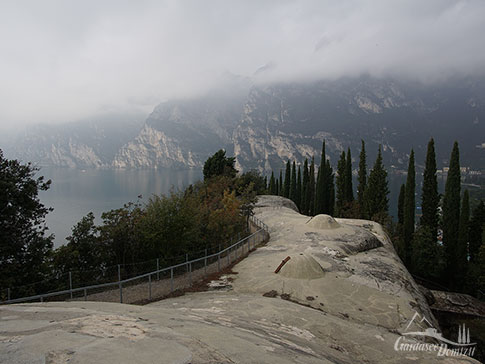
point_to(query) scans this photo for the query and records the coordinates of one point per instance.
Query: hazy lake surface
(74, 192)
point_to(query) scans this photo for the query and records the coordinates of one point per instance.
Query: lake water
(74, 192)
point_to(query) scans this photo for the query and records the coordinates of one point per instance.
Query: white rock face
(153, 149)
(73, 155)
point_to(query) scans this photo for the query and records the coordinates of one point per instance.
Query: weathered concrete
(343, 297)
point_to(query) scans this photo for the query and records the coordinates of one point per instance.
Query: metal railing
(160, 282)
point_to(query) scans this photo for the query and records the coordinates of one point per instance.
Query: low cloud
(64, 61)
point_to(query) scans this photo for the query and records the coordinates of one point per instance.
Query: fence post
(70, 282)
(150, 287)
(228, 255)
(187, 259)
(171, 279)
(119, 284)
(85, 294)
(158, 269)
(219, 262)
(205, 263)
(8, 294)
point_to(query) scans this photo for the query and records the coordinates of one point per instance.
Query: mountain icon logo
(432, 332)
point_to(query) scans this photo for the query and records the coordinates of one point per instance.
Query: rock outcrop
(342, 297)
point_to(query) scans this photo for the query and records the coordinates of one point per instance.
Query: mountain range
(265, 125)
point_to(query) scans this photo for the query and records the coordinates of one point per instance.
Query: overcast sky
(66, 60)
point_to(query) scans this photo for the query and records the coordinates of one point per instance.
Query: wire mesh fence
(142, 281)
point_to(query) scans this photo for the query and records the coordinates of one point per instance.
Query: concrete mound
(302, 267)
(323, 222)
(275, 202)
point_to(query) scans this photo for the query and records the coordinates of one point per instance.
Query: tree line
(332, 193)
(445, 246)
(206, 215)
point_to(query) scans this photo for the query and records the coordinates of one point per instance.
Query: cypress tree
(340, 184)
(320, 186)
(461, 258)
(398, 239)
(272, 185)
(400, 205)
(304, 188)
(362, 181)
(330, 190)
(286, 188)
(477, 224)
(481, 266)
(429, 196)
(476, 243)
(266, 186)
(293, 183)
(425, 253)
(451, 214)
(349, 193)
(281, 187)
(298, 189)
(377, 202)
(311, 189)
(409, 212)
(277, 187)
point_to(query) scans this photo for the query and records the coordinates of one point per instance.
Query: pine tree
(377, 203)
(311, 189)
(409, 212)
(320, 186)
(298, 189)
(304, 189)
(400, 205)
(286, 188)
(362, 181)
(349, 194)
(340, 184)
(272, 185)
(451, 214)
(293, 183)
(461, 258)
(430, 196)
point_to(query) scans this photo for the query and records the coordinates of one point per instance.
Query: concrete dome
(323, 222)
(302, 267)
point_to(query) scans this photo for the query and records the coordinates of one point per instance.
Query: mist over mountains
(265, 125)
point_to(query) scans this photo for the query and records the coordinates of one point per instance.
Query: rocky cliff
(264, 125)
(89, 143)
(182, 134)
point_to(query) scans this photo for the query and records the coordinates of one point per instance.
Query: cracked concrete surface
(349, 307)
